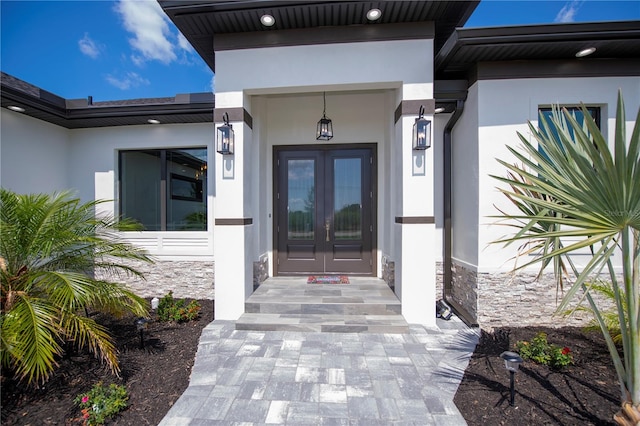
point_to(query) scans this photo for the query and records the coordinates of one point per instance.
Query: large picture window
(164, 189)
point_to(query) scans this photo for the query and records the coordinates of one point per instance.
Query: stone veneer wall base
(187, 279)
(514, 299)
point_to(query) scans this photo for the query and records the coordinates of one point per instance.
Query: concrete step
(332, 306)
(386, 323)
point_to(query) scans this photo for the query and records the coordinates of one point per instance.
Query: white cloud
(130, 80)
(184, 43)
(150, 27)
(88, 46)
(568, 11)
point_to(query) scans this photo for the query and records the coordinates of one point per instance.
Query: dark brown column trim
(415, 219)
(229, 221)
(413, 108)
(235, 114)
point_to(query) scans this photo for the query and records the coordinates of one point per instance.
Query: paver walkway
(315, 378)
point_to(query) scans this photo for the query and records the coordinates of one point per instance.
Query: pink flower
(85, 399)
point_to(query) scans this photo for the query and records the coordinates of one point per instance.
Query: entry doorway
(324, 206)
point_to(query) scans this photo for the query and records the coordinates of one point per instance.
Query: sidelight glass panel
(301, 200)
(347, 202)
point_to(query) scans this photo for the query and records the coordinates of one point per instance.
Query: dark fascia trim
(324, 35)
(234, 222)
(505, 70)
(411, 220)
(54, 109)
(523, 34)
(412, 107)
(235, 114)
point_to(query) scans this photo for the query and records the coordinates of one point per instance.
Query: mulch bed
(154, 376)
(585, 393)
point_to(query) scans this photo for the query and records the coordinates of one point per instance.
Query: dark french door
(324, 206)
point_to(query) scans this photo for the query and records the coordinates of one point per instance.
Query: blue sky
(129, 49)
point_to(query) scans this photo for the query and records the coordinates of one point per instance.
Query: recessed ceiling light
(585, 52)
(153, 121)
(374, 14)
(268, 20)
(16, 108)
(439, 110)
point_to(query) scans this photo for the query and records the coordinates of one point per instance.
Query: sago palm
(50, 246)
(580, 195)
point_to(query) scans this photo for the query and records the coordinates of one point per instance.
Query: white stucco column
(233, 242)
(414, 219)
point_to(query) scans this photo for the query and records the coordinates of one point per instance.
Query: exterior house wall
(34, 154)
(503, 108)
(281, 87)
(183, 259)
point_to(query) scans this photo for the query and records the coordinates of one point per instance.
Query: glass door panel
(301, 199)
(347, 198)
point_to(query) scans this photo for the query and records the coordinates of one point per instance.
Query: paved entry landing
(310, 378)
(365, 305)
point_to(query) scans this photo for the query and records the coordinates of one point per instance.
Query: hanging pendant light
(324, 131)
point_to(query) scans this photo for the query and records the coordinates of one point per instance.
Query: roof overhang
(218, 25)
(554, 44)
(80, 113)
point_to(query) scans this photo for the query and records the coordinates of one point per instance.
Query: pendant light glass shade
(324, 130)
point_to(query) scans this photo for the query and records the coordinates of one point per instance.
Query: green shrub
(170, 309)
(102, 402)
(541, 352)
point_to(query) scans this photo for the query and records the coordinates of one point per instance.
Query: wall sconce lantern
(512, 362)
(225, 137)
(421, 132)
(324, 130)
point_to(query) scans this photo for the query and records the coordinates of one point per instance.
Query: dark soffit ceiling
(200, 21)
(467, 47)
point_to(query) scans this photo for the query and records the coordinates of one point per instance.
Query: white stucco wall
(282, 88)
(295, 68)
(94, 174)
(504, 106)
(364, 82)
(33, 154)
(465, 183)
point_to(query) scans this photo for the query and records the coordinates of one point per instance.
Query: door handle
(327, 226)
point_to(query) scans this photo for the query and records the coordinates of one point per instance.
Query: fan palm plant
(50, 246)
(580, 195)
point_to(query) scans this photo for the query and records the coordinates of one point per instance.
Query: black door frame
(374, 197)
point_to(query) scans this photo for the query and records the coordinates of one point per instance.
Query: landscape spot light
(141, 325)
(512, 362)
(443, 310)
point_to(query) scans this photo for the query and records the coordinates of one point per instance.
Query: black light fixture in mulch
(141, 325)
(443, 310)
(324, 130)
(512, 362)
